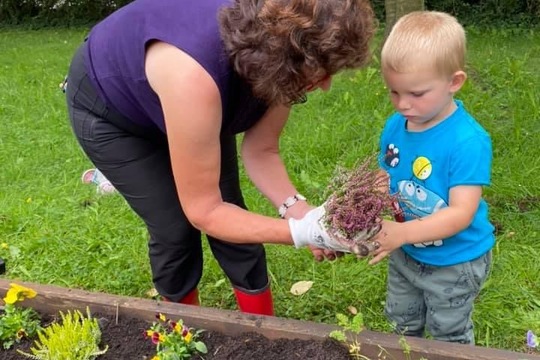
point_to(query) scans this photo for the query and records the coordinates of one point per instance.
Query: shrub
(75, 338)
(358, 201)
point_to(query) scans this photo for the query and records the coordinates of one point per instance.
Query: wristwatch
(290, 201)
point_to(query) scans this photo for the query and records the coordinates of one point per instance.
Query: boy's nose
(403, 104)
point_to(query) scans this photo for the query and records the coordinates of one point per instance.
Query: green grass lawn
(56, 230)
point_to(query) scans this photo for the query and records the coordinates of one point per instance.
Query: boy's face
(422, 96)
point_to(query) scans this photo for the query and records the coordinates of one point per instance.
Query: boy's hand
(390, 237)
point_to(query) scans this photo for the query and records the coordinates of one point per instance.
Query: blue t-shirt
(424, 166)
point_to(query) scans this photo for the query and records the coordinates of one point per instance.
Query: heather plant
(357, 203)
(75, 337)
(17, 322)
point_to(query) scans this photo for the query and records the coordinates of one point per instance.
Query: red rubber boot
(255, 301)
(192, 298)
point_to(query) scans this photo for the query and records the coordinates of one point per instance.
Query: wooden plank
(52, 299)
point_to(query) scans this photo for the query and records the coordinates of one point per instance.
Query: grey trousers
(438, 300)
(136, 161)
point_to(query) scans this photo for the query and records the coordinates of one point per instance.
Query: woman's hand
(311, 231)
(322, 254)
(298, 211)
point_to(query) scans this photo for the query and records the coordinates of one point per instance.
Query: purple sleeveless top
(116, 52)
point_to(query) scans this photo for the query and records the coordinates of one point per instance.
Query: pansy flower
(21, 333)
(177, 327)
(157, 338)
(18, 293)
(188, 337)
(172, 336)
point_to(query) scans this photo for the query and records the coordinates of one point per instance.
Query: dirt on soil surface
(126, 341)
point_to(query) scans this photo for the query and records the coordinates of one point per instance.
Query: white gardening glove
(310, 230)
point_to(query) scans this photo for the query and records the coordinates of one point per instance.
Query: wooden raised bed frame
(52, 299)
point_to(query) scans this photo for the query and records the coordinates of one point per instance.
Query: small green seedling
(354, 325)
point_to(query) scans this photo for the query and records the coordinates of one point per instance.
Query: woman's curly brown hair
(281, 46)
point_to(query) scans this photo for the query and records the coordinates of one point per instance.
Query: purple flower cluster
(358, 201)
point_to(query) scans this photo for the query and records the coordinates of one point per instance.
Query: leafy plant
(16, 322)
(406, 348)
(357, 204)
(76, 337)
(354, 325)
(174, 340)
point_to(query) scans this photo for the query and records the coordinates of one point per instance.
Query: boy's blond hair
(425, 38)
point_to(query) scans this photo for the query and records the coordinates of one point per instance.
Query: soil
(126, 341)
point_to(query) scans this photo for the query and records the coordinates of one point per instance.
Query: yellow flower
(155, 358)
(18, 293)
(188, 337)
(178, 327)
(162, 317)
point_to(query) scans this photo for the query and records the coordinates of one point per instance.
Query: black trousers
(136, 160)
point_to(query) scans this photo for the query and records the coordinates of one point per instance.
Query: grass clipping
(358, 201)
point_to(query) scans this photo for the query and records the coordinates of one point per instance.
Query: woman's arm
(192, 110)
(463, 204)
(264, 166)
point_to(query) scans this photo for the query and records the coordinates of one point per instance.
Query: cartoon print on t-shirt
(422, 167)
(391, 156)
(416, 200)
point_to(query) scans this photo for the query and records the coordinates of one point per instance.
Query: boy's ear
(457, 81)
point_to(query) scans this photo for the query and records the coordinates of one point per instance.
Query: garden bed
(125, 340)
(234, 335)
